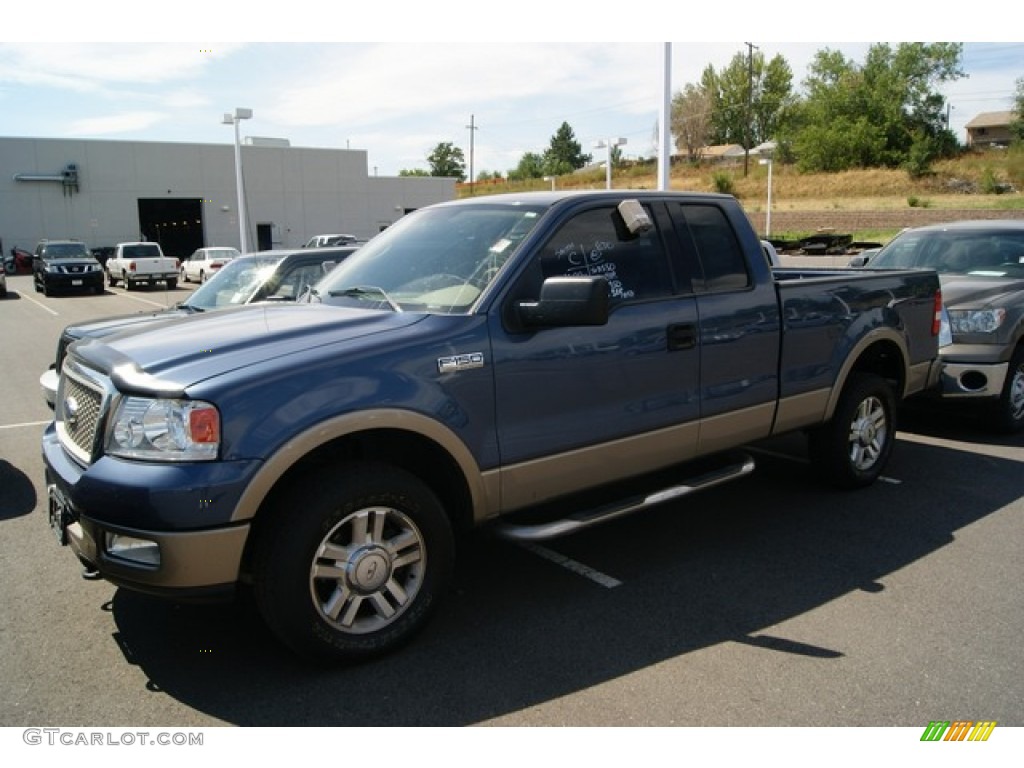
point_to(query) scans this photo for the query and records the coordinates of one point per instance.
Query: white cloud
(108, 124)
(92, 66)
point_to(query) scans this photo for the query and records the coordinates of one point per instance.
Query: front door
(583, 403)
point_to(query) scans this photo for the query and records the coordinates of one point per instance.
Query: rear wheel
(172, 284)
(350, 564)
(127, 283)
(852, 449)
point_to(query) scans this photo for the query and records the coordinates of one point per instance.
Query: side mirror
(567, 301)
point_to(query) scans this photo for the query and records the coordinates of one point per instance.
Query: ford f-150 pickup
(536, 363)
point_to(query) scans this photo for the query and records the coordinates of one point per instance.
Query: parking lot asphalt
(770, 601)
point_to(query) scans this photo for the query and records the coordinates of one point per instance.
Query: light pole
(608, 144)
(768, 216)
(552, 180)
(766, 151)
(241, 113)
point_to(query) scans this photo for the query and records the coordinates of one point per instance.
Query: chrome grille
(79, 410)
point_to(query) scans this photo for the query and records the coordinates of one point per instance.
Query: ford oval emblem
(71, 410)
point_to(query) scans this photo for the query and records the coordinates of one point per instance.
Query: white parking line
(53, 312)
(571, 565)
(129, 295)
(25, 424)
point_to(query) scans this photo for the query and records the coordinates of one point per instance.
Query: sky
(398, 99)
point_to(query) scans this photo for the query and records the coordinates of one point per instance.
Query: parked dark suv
(266, 276)
(65, 265)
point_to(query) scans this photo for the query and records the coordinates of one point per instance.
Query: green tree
(564, 154)
(531, 166)
(886, 112)
(1017, 126)
(750, 99)
(413, 172)
(447, 160)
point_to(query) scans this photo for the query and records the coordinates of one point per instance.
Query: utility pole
(472, 130)
(750, 98)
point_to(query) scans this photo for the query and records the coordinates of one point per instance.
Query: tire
(111, 280)
(172, 284)
(852, 449)
(183, 275)
(1008, 415)
(350, 564)
(202, 277)
(127, 283)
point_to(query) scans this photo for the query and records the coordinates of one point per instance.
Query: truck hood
(105, 326)
(165, 358)
(979, 292)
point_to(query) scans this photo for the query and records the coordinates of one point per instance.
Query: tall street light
(766, 151)
(241, 113)
(608, 144)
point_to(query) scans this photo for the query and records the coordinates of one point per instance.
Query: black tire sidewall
(1003, 420)
(830, 443)
(287, 540)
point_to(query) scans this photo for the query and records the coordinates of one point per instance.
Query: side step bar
(743, 466)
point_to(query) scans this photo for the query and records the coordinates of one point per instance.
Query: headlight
(164, 430)
(976, 320)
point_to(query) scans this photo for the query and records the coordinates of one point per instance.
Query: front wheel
(350, 564)
(852, 449)
(1008, 416)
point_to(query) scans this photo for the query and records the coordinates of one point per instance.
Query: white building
(184, 197)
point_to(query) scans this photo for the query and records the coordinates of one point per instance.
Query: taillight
(937, 317)
(131, 266)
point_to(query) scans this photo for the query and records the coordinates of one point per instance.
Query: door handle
(682, 336)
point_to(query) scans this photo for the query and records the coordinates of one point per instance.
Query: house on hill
(990, 129)
(721, 153)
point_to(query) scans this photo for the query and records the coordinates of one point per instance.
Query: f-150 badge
(460, 362)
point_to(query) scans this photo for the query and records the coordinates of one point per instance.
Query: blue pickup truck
(536, 363)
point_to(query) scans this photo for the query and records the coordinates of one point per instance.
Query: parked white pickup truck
(134, 263)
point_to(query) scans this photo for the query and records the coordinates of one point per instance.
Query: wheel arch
(883, 353)
(413, 442)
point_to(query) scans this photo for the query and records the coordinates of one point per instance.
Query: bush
(722, 183)
(916, 202)
(990, 184)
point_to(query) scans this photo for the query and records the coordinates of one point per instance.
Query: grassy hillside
(982, 180)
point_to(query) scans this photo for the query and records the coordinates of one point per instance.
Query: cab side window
(722, 265)
(597, 243)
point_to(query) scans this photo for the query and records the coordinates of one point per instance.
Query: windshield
(237, 282)
(436, 260)
(222, 253)
(978, 252)
(66, 251)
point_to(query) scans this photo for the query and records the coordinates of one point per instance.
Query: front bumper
(72, 282)
(178, 519)
(973, 371)
(48, 384)
(973, 380)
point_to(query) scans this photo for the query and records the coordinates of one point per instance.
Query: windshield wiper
(359, 291)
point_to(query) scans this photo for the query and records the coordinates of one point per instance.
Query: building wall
(301, 192)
